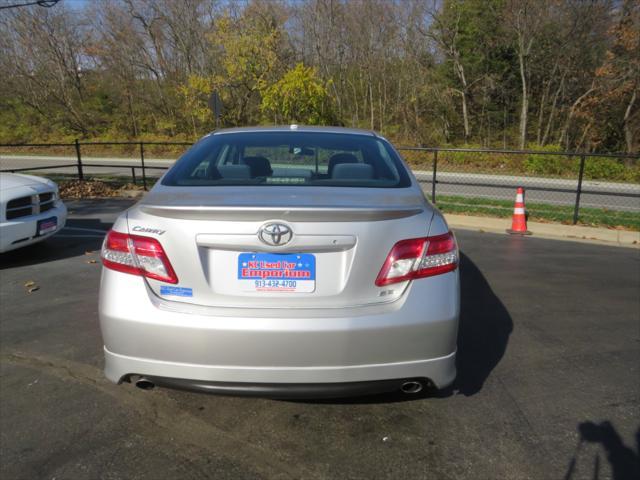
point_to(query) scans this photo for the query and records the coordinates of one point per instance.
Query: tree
(572, 42)
(298, 97)
(613, 106)
(490, 72)
(525, 19)
(195, 93)
(467, 32)
(41, 60)
(252, 48)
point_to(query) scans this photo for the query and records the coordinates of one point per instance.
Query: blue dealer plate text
(276, 266)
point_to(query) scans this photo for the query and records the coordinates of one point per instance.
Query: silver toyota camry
(284, 262)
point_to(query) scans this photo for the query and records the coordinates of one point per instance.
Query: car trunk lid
(341, 236)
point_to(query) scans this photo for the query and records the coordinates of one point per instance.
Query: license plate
(47, 225)
(277, 272)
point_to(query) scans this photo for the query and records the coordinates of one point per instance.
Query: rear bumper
(253, 349)
(294, 382)
(288, 390)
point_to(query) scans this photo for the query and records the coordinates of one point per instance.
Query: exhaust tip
(145, 384)
(411, 387)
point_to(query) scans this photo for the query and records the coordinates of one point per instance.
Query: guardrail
(451, 174)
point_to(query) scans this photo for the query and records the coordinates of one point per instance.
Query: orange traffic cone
(519, 221)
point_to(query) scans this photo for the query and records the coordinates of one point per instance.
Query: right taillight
(419, 258)
(137, 255)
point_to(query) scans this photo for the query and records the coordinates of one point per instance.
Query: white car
(30, 210)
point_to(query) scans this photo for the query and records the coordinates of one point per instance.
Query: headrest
(338, 159)
(355, 171)
(259, 166)
(234, 171)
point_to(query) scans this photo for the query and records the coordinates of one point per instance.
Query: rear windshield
(289, 158)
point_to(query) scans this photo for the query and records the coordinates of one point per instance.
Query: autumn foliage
(492, 73)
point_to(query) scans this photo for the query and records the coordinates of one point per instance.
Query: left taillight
(137, 255)
(419, 258)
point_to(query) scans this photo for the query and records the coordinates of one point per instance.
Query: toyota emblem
(275, 234)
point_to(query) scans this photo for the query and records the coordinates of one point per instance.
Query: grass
(541, 212)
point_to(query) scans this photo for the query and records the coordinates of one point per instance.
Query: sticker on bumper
(166, 290)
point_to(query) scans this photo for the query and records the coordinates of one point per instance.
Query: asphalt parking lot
(548, 384)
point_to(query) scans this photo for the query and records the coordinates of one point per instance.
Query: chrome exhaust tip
(144, 383)
(411, 387)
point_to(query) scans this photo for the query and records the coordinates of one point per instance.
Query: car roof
(295, 128)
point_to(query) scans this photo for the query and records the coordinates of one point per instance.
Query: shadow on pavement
(78, 237)
(485, 327)
(625, 463)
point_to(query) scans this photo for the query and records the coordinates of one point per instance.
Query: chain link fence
(560, 186)
(138, 163)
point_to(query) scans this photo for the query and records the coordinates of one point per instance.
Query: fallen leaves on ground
(92, 189)
(31, 286)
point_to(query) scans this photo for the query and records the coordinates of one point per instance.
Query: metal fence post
(79, 157)
(433, 181)
(579, 190)
(144, 174)
(133, 174)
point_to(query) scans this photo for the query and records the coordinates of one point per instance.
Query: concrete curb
(575, 233)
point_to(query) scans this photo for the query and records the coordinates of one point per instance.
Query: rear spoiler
(310, 214)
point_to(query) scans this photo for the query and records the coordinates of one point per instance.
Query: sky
(73, 4)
